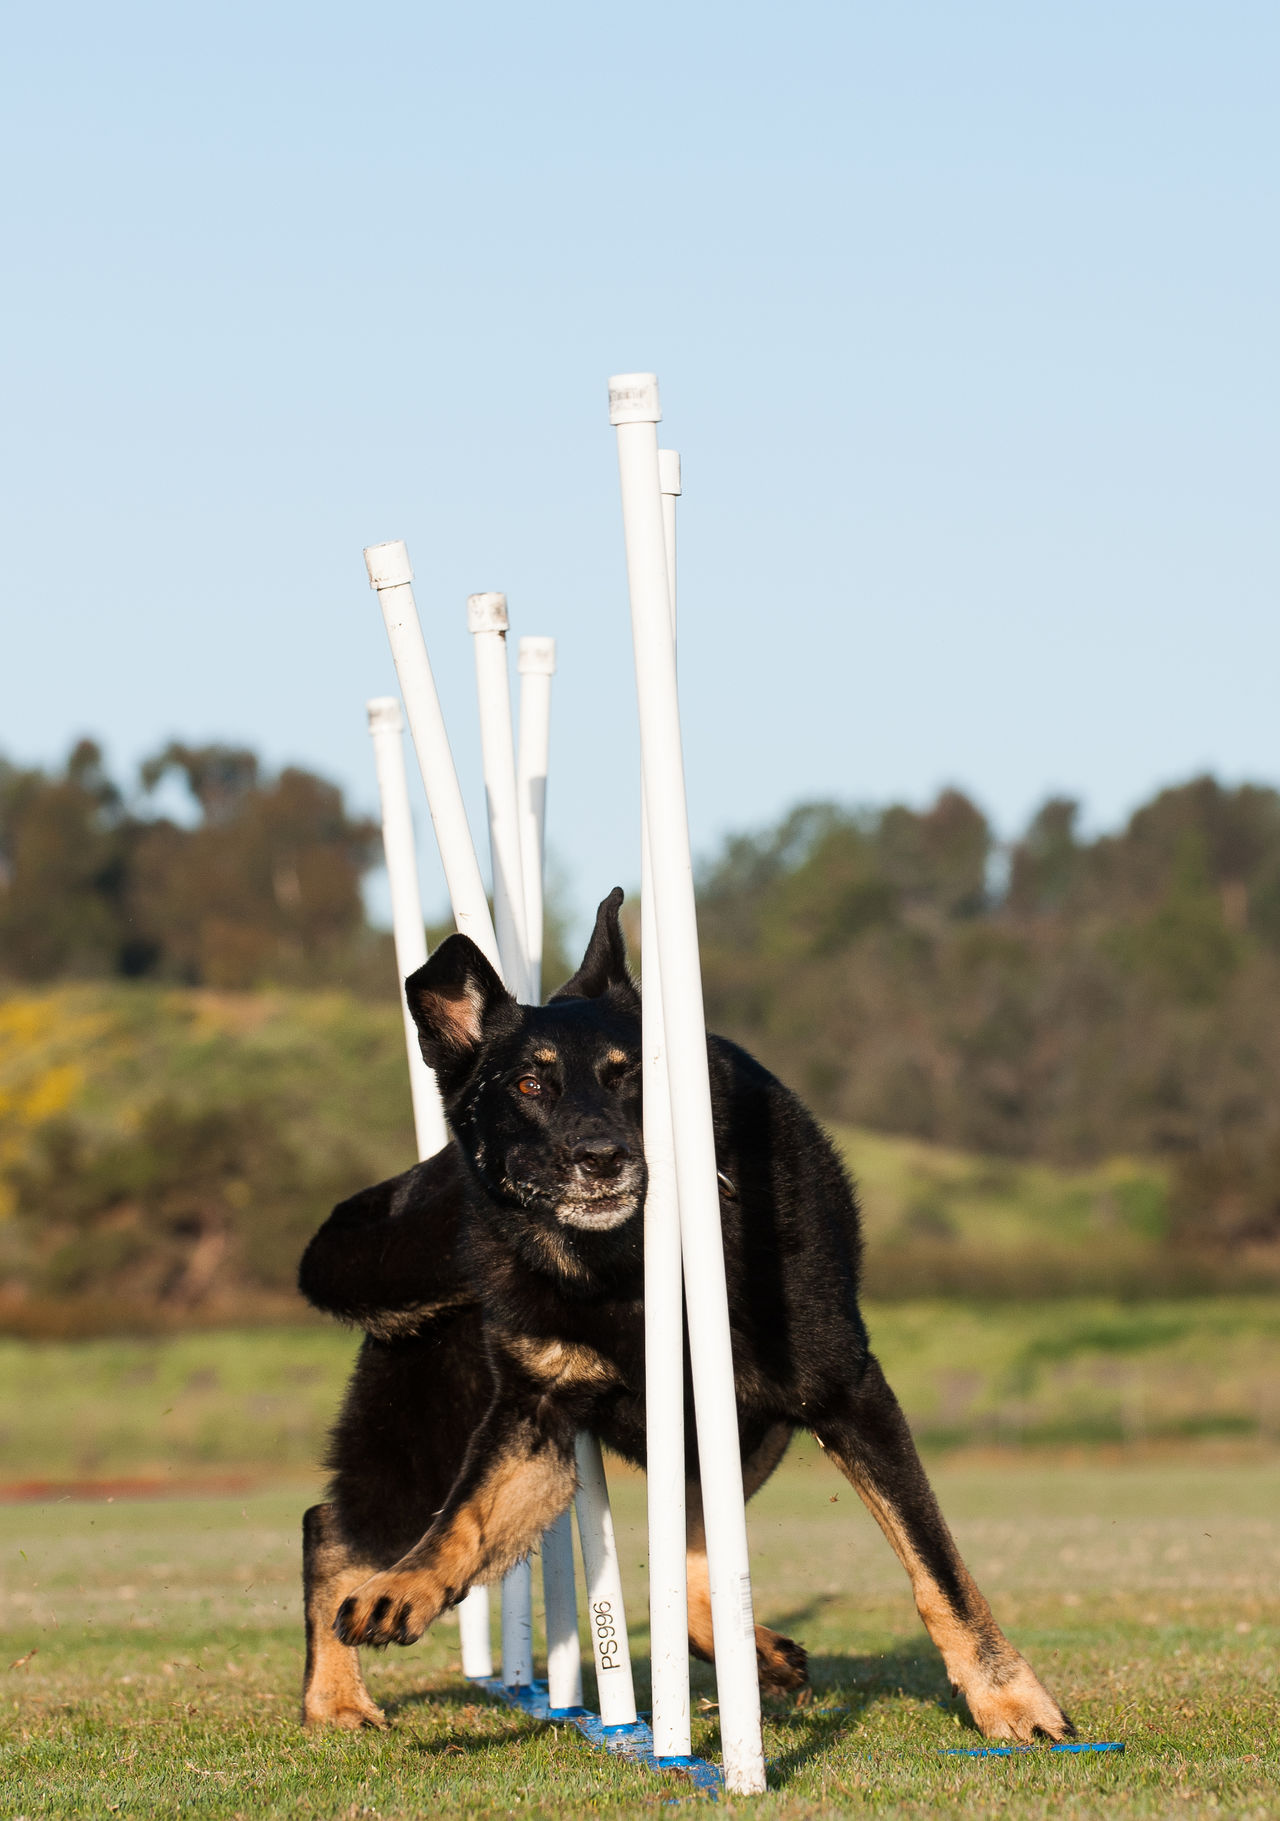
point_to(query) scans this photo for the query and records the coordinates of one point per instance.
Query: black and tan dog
(500, 1285)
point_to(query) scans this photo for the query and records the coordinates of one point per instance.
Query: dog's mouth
(576, 1199)
(598, 1213)
(599, 1207)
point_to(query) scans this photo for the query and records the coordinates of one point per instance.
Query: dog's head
(543, 1100)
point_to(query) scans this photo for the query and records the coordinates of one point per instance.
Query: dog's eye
(529, 1084)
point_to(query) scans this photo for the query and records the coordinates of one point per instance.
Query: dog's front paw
(392, 1608)
(1020, 1709)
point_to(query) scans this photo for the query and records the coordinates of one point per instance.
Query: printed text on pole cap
(388, 564)
(486, 613)
(633, 399)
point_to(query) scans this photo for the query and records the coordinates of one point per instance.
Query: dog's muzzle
(605, 1191)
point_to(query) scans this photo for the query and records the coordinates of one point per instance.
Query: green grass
(952, 1223)
(171, 1406)
(167, 1660)
(1076, 1371)
(912, 1190)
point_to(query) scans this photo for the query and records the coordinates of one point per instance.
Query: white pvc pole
(386, 727)
(606, 1617)
(475, 1634)
(537, 663)
(392, 576)
(669, 485)
(487, 620)
(537, 667)
(663, 1311)
(560, 1605)
(517, 1626)
(635, 412)
(390, 573)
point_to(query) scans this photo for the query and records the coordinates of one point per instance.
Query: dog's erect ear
(457, 1001)
(604, 966)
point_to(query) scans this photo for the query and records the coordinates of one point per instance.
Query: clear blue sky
(966, 323)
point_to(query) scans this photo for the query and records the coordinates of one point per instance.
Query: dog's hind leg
(783, 1664)
(333, 1690)
(866, 1434)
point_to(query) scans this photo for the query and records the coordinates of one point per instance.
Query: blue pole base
(1015, 1751)
(633, 1742)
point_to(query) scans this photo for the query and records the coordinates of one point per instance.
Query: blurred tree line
(261, 884)
(1067, 999)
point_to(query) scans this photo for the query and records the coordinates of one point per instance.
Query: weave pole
(386, 726)
(606, 1617)
(537, 663)
(617, 1730)
(663, 1305)
(391, 575)
(487, 622)
(634, 411)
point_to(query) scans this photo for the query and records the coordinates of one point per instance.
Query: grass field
(1075, 1371)
(156, 1658)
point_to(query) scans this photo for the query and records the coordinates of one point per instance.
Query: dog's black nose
(599, 1158)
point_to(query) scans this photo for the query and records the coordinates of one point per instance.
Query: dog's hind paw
(1021, 1710)
(351, 1715)
(783, 1664)
(392, 1608)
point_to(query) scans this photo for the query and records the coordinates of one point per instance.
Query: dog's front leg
(516, 1480)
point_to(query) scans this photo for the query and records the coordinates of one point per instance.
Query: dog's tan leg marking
(333, 1690)
(871, 1444)
(477, 1537)
(783, 1664)
(1004, 1694)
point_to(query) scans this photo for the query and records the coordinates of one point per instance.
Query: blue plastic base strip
(634, 1743)
(1016, 1751)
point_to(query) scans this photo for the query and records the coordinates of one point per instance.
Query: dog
(500, 1285)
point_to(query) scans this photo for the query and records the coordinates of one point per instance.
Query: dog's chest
(562, 1365)
(597, 1349)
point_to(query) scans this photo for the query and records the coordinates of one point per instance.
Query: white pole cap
(384, 714)
(486, 613)
(388, 564)
(669, 471)
(633, 399)
(537, 657)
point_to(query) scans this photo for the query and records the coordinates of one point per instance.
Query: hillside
(166, 1152)
(1063, 998)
